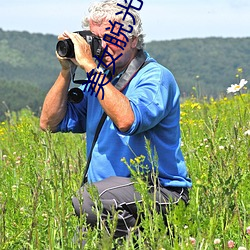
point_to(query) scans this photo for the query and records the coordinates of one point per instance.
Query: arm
(115, 104)
(55, 103)
(117, 107)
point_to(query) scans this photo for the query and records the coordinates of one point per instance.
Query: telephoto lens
(65, 48)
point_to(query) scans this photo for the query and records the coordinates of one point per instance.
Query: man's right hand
(66, 63)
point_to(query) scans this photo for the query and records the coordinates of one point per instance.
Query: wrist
(88, 67)
(94, 71)
(65, 73)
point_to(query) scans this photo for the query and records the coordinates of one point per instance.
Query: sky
(162, 19)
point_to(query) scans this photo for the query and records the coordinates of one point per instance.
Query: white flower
(192, 240)
(242, 248)
(237, 87)
(217, 241)
(247, 133)
(22, 210)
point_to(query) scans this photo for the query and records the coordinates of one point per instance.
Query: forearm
(117, 107)
(55, 103)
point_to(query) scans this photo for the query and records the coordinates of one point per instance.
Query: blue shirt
(154, 97)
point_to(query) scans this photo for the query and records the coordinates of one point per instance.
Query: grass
(40, 172)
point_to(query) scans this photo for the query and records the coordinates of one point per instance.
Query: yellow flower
(138, 160)
(240, 70)
(195, 105)
(132, 162)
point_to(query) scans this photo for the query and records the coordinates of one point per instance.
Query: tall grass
(40, 172)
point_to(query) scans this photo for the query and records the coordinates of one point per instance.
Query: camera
(65, 48)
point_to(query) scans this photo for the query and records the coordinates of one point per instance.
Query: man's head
(106, 10)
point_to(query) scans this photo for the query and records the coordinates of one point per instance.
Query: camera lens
(65, 48)
(75, 95)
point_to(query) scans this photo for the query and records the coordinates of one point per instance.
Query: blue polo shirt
(154, 97)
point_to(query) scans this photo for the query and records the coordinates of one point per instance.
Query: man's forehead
(103, 22)
(100, 27)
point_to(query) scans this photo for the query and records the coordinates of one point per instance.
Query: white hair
(107, 9)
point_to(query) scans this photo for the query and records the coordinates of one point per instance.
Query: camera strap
(136, 64)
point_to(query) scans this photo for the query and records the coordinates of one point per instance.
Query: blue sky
(162, 19)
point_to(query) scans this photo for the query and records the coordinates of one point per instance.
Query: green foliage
(40, 172)
(29, 58)
(203, 67)
(28, 68)
(14, 95)
(208, 62)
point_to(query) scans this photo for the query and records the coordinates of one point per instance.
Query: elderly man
(141, 102)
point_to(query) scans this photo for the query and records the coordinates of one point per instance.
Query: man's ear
(134, 42)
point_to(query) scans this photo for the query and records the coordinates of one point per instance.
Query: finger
(70, 35)
(63, 36)
(75, 37)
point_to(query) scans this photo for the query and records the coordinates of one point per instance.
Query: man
(145, 107)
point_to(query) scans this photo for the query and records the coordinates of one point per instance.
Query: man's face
(128, 52)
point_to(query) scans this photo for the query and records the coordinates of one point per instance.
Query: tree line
(202, 67)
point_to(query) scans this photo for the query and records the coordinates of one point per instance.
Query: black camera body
(65, 48)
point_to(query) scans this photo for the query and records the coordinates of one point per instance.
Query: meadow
(40, 172)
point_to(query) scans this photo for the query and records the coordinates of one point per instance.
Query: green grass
(40, 172)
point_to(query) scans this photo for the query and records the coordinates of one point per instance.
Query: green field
(40, 172)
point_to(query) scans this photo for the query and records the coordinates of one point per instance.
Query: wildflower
(230, 244)
(237, 87)
(132, 162)
(242, 248)
(248, 230)
(240, 70)
(221, 147)
(22, 210)
(247, 133)
(45, 216)
(195, 106)
(192, 240)
(198, 182)
(14, 188)
(217, 241)
(137, 159)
